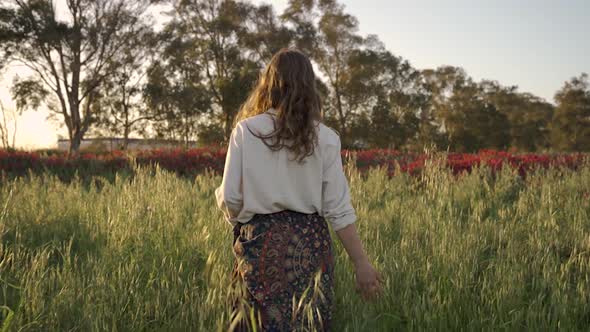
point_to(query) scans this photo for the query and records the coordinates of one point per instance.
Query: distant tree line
(103, 68)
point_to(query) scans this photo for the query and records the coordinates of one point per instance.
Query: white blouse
(257, 180)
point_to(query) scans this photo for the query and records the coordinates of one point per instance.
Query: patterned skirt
(283, 273)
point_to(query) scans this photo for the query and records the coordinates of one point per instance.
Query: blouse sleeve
(336, 205)
(230, 195)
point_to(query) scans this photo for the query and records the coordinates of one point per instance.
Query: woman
(282, 185)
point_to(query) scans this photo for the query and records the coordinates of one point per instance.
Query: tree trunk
(228, 128)
(75, 142)
(125, 137)
(342, 118)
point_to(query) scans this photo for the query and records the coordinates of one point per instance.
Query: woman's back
(272, 181)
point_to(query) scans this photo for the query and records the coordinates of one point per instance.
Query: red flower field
(196, 161)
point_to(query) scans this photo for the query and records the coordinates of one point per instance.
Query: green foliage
(528, 116)
(210, 134)
(153, 253)
(103, 68)
(122, 108)
(212, 54)
(330, 36)
(570, 129)
(469, 120)
(177, 103)
(28, 93)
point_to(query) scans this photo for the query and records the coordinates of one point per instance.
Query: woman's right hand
(368, 280)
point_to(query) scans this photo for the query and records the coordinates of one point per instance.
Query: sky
(536, 45)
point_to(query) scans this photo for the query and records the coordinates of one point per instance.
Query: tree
(70, 59)
(383, 88)
(570, 128)
(175, 92)
(460, 106)
(329, 36)
(217, 31)
(528, 115)
(373, 94)
(430, 132)
(266, 35)
(121, 95)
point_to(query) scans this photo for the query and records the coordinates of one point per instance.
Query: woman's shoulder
(261, 122)
(328, 135)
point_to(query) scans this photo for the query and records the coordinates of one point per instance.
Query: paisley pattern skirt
(283, 273)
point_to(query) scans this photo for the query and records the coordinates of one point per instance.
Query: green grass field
(153, 253)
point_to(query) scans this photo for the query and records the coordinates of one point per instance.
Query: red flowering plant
(19, 162)
(187, 162)
(191, 162)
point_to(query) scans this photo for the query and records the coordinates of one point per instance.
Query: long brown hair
(287, 85)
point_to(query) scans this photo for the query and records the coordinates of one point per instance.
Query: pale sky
(534, 44)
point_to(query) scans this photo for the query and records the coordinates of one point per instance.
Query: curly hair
(287, 85)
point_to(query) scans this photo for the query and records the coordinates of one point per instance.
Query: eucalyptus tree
(528, 115)
(266, 34)
(373, 95)
(217, 32)
(387, 89)
(570, 127)
(464, 112)
(175, 92)
(68, 51)
(121, 96)
(330, 36)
